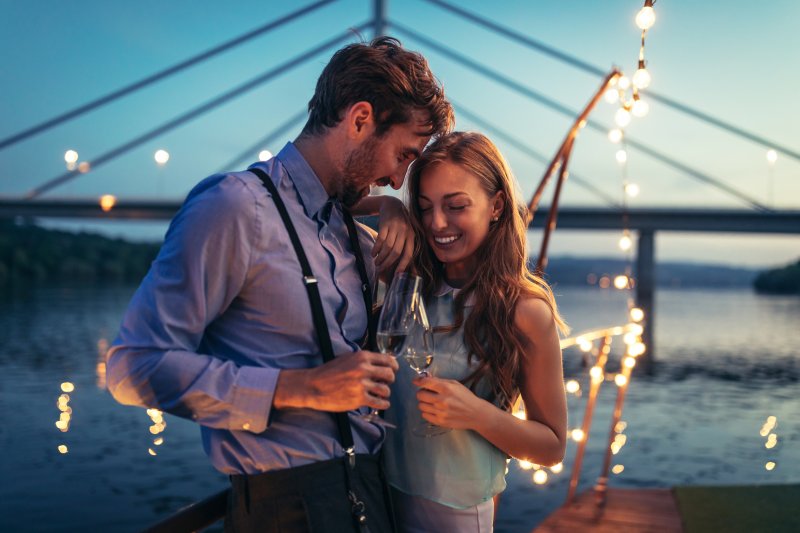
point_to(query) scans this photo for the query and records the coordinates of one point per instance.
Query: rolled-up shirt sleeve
(202, 266)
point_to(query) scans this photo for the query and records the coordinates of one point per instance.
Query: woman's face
(456, 214)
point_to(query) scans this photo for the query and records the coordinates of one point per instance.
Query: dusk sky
(733, 60)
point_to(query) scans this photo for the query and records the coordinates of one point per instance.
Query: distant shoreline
(33, 254)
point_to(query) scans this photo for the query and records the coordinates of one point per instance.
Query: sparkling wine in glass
(419, 356)
(398, 317)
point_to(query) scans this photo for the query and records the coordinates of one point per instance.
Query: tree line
(32, 254)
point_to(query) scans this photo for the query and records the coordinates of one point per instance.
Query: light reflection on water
(726, 361)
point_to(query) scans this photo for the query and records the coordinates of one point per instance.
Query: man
(221, 329)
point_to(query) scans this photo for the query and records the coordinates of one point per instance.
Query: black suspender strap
(312, 288)
(362, 270)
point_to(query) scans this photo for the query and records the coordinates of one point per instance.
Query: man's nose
(396, 180)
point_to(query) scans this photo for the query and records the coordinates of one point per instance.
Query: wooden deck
(626, 510)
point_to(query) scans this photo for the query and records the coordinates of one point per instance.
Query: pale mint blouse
(459, 468)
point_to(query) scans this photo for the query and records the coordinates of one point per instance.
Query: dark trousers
(311, 498)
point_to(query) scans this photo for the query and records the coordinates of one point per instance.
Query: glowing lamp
(632, 190)
(625, 243)
(161, 157)
(622, 156)
(611, 95)
(621, 282)
(107, 202)
(264, 155)
(71, 157)
(772, 156)
(622, 117)
(641, 78)
(646, 16)
(637, 315)
(640, 107)
(573, 386)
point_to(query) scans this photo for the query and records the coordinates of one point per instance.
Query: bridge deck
(629, 510)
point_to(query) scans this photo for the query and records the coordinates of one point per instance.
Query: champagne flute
(398, 317)
(419, 356)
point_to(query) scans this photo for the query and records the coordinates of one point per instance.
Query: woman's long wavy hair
(502, 276)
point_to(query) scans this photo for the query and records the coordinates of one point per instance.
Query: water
(726, 360)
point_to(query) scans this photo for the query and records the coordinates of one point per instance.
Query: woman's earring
(495, 218)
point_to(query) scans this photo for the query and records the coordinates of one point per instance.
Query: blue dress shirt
(223, 309)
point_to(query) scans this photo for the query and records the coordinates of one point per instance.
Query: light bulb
(107, 202)
(161, 157)
(622, 117)
(637, 315)
(640, 107)
(621, 282)
(646, 17)
(615, 135)
(625, 243)
(624, 82)
(71, 156)
(611, 95)
(622, 156)
(264, 155)
(772, 156)
(632, 190)
(641, 78)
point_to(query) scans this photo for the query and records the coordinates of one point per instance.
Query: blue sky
(735, 60)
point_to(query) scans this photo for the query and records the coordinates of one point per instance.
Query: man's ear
(360, 120)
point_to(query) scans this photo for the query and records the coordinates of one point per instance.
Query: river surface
(725, 362)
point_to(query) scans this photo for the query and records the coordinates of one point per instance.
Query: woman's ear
(498, 203)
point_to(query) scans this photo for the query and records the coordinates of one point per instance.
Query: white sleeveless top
(459, 468)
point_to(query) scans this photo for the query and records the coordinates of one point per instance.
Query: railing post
(595, 381)
(645, 292)
(379, 18)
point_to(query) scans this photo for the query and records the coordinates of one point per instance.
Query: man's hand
(349, 381)
(394, 245)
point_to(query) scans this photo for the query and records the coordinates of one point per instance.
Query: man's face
(381, 160)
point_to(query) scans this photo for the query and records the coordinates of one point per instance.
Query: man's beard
(357, 176)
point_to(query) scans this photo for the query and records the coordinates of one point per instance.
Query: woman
(496, 338)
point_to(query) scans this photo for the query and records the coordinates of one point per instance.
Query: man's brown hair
(395, 81)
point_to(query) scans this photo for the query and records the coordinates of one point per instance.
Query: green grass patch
(750, 509)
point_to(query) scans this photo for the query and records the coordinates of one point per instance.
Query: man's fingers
(384, 360)
(408, 254)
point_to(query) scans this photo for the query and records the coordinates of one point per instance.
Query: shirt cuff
(255, 389)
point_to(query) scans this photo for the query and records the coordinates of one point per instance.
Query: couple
(251, 320)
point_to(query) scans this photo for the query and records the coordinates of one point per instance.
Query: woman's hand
(394, 245)
(448, 403)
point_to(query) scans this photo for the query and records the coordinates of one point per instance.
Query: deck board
(629, 510)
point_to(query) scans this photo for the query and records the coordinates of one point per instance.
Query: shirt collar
(445, 289)
(309, 187)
